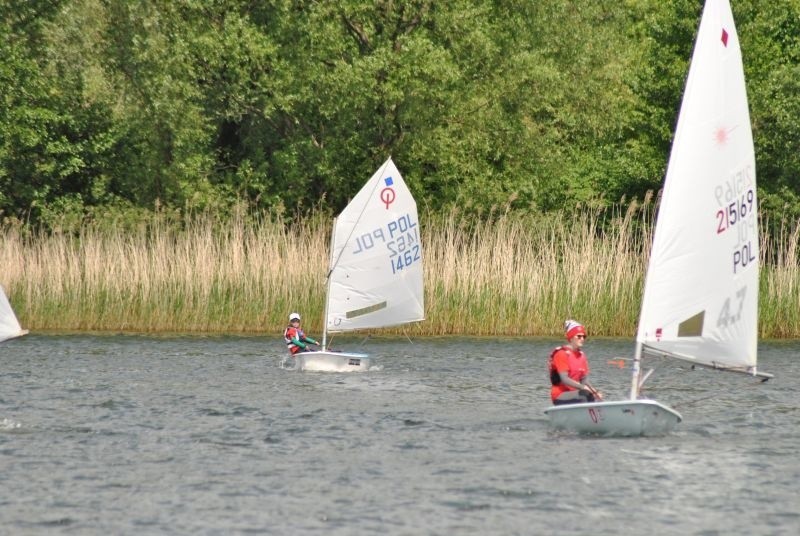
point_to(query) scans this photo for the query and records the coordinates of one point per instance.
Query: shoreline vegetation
(508, 275)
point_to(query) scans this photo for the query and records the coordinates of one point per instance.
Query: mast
(328, 289)
(637, 358)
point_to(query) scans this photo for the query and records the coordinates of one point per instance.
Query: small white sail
(701, 294)
(9, 325)
(375, 277)
(375, 270)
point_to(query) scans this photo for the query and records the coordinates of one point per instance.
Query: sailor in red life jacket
(569, 369)
(294, 336)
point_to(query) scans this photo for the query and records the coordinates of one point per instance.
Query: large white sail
(375, 277)
(701, 294)
(700, 298)
(9, 325)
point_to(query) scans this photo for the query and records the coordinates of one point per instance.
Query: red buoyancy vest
(562, 359)
(293, 333)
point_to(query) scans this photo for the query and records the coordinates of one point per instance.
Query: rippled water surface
(190, 435)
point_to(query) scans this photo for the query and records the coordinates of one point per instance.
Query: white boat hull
(617, 418)
(328, 361)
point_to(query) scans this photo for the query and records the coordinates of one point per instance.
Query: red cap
(572, 328)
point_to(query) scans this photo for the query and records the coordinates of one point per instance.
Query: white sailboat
(9, 325)
(375, 269)
(700, 300)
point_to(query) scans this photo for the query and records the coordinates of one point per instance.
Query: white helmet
(294, 316)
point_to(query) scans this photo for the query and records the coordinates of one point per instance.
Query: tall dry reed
(527, 275)
(779, 299)
(511, 276)
(240, 277)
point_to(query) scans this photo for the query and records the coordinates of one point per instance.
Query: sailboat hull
(328, 361)
(617, 418)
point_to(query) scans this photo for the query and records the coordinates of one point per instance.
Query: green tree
(771, 54)
(487, 105)
(53, 141)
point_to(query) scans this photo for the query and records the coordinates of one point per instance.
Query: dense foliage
(116, 107)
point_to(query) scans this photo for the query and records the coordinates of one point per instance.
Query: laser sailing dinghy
(375, 270)
(9, 325)
(700, 301)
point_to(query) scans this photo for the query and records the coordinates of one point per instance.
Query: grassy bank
(515, 276)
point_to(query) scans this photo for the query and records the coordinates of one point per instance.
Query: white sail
(9, 325)
(701, 293)
(375, 277)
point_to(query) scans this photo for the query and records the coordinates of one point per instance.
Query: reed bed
(525, 276)
(238, 277)
(511, 275)
(779, 297)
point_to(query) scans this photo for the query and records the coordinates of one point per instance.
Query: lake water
(195, 435)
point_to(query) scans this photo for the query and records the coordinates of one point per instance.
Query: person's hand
(592, 391)
(597, 394)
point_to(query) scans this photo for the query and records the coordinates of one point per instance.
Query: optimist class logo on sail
(387, 194)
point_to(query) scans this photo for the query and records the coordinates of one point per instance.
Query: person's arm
(579, 385)
(566, 380)
(310, 340)
(297, 342)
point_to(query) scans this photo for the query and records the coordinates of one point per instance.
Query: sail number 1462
(404, 250)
